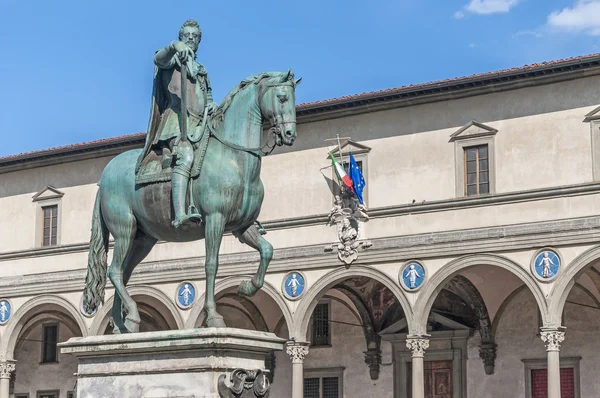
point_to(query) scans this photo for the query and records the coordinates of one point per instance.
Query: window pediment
(47, 193)
(348, 146)
(473, 129)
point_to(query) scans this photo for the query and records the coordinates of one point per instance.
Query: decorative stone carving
(6, 369)
(244, 384)
(487, 352)
(552, 338)
(348, 214)
(373, 359)
(297, 351)
(417, 346)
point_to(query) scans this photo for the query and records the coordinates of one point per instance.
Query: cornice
(447, 244)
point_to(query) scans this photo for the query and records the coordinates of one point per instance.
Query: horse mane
(253, 79)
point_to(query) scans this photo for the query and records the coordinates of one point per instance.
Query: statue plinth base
(181, 363)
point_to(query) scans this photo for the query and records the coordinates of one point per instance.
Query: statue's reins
(258, 152)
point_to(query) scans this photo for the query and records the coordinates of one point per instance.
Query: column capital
(552, 336)
(297, 350)
(6, 368)
(417, 345)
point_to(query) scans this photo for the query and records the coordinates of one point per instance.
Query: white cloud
(484, 7)
(490, 6)
(584, 16)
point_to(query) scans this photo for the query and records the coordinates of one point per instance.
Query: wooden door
(438, 379)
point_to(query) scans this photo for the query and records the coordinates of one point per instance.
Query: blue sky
(73, 71)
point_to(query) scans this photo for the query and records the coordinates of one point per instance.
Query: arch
(102, 317)
(234, 281)
(29, 310)
(566, 281)
(309, 302)
(437, 282)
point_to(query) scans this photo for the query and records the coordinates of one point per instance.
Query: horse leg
(124, 244)
(252, 237)
(142, 245)
(214, 228)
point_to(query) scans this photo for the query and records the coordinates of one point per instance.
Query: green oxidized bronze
(197, 177)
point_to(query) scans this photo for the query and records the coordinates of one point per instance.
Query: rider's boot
(179, 185)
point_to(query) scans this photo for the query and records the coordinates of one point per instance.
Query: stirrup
(186, 219)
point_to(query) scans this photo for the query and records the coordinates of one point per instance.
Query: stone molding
(552, 337)
(297, 351)
(417, 345)
(6, 369)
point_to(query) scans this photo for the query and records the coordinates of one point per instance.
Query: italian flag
(341, 173)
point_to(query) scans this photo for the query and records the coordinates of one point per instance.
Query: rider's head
(190, 34)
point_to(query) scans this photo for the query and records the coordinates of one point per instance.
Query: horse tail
(95, 281)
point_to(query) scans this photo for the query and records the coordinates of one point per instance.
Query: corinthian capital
(417, 345)
(6, 368)
(297, 351)
(552, 337)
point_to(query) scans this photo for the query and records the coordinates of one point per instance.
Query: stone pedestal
(182, 363)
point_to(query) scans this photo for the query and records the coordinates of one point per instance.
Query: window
(323, 383)
(48, 394)
(536, 378)
(477, 170)
(474, 159)
(70, 394)
(49, 340)
(321, 335)
(48, 212)
(50, 225)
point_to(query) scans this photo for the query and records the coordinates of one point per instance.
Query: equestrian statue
(197, 177)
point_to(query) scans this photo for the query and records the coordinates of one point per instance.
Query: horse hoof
(215, 321)
(131, 325)
(247, 288)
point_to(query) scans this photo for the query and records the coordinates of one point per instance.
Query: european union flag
(358, 181)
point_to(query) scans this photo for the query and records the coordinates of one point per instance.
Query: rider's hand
(182, 51)
(212, 107)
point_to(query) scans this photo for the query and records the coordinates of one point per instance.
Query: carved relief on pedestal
(552, 338)
(244, 384)
(349, 215)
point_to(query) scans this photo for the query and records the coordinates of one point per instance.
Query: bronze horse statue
(228, 194)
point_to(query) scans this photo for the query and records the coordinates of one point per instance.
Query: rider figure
(165, 130)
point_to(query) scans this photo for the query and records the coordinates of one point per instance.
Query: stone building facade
(477, 271)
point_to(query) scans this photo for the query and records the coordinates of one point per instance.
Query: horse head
(277, 104)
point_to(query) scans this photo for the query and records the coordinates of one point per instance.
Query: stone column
(418, 345)
(297, 351)
(6, 369)
(553, 337)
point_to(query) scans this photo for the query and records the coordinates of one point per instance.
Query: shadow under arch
(34, 309)
(309, 301)
(565, 282)
(103, 315)
(234, 281)
(436, 283)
